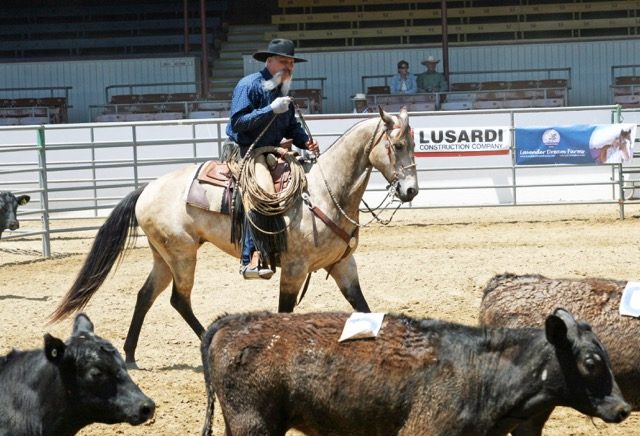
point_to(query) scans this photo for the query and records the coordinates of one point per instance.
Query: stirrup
(255, 272)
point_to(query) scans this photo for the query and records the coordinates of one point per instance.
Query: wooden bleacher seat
(379, 89)
(523, 84)
(422, 107)
(626, 91)
(516, 103)
(507, 94)
(456, 105)
(310, 98)
(465, 86)
(548, 102)
(486, 104)
(368, 23)
(627, 80)
(150, 103)
(41, 110)
(494, 85)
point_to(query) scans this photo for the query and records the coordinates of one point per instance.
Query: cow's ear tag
(53, 348)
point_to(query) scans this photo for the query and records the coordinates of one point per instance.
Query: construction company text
(462, 141)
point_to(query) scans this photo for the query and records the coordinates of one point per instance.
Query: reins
(390, 192)
(351, 239)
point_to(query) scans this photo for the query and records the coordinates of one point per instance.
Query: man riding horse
(262, 114)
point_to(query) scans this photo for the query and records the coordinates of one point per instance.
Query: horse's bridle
(393, 183)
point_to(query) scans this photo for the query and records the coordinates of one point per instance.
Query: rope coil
(256, 199)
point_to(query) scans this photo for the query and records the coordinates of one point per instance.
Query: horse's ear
(404, 120)
(387, 118)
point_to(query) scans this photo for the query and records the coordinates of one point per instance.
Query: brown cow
(274, 372)
(516, 301)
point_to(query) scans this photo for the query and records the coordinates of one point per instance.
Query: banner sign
(577, 144)
(461, 141)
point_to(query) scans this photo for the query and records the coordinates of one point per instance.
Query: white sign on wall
(462, 141)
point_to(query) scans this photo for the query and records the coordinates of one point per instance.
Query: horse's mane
(357, 125)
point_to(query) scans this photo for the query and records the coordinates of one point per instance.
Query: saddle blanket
(210, 187)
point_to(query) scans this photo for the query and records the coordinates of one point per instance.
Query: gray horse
(175, 230)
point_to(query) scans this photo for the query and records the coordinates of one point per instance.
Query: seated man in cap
(360, 105)
(431, 80)
(259, 99)
(403, 82)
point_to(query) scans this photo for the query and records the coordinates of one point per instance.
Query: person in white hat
(260, 101)
(360, 105)
(431, 80)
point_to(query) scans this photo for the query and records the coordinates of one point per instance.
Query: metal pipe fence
(78, 172)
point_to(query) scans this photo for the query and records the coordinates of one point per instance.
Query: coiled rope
(266, 203)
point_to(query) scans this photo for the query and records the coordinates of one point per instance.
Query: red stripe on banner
(460, 154)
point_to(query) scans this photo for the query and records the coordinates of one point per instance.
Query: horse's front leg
(345, 273)
(291, 280)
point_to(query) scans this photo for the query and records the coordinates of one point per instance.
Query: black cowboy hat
(278, 47)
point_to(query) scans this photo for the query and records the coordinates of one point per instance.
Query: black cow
(66, 386)
(8, 207)
(273, 372)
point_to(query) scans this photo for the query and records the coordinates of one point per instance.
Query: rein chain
(390, 193)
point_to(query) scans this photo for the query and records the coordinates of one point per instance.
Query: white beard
(275, 81)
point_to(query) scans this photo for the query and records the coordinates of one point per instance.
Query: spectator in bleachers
(360, 105)
(403, 82)
(431, 80)
(262, 114)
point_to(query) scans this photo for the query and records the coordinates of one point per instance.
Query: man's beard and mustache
(276, 80)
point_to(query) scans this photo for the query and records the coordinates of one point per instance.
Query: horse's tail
(108, 248)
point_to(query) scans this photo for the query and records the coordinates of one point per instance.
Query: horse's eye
(397, 146)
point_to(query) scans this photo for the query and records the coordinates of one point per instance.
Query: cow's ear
(23, 199)
(53, 349)
(82, 326)
(559, 326)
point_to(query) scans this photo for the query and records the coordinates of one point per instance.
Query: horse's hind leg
(184, 268)
(156, 282)
(345, 273)
(181, 296)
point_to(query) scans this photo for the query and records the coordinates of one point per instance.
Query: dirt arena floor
(427, 263)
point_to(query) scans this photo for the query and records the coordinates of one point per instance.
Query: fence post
(44, 195)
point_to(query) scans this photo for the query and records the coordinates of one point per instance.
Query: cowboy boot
(253, 270)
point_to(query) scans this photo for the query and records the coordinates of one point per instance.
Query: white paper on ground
(362, 325)
(630, 302)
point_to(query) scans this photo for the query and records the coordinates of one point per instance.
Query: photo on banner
(576, 144)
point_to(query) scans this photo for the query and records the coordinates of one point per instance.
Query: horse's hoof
(132, 365)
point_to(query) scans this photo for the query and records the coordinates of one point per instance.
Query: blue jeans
(248, 245)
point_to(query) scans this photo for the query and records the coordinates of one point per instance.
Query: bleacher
(308, 94)
(36, 105)
(540, 90)
(145, 102)
(625, 81)
(98, 28)
(331, 23)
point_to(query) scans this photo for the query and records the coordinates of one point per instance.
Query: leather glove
(280, 105)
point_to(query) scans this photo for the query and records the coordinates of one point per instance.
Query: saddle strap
(333, 226)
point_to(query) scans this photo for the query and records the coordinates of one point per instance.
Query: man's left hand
(312, 146)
